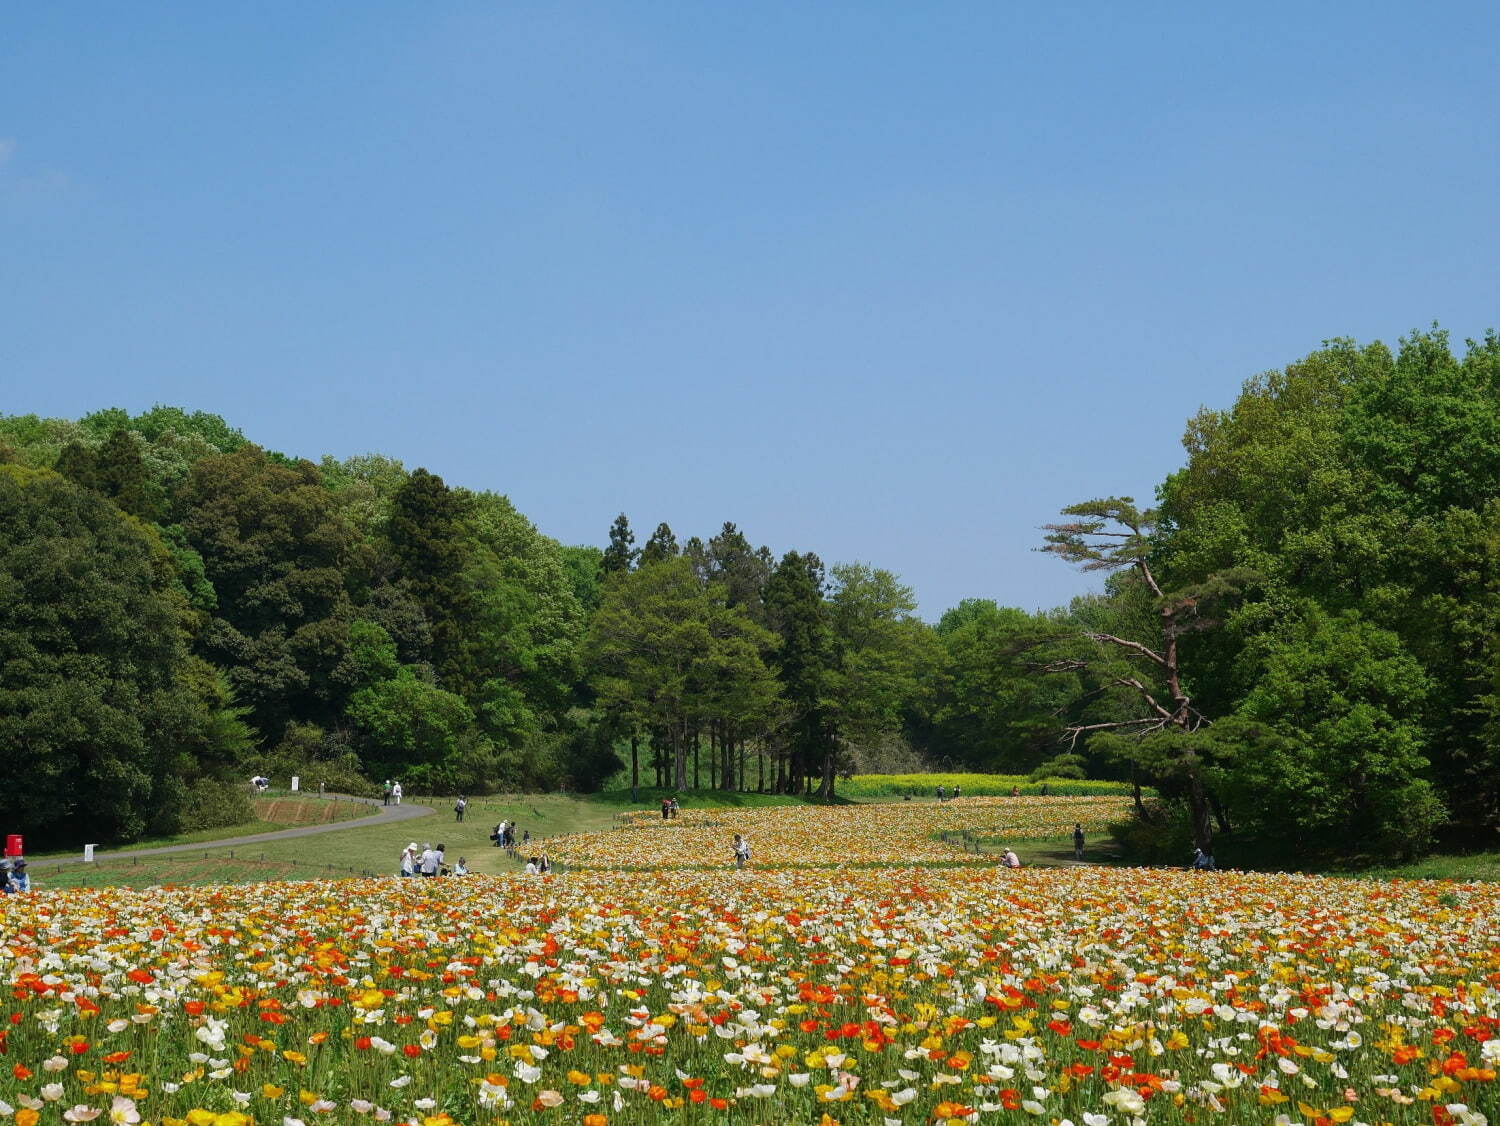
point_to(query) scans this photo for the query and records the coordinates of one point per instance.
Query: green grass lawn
(1443, 866)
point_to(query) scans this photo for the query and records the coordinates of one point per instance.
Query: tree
(524, 624)
(430, 547)
(1332, 752)
(666, 656)
(1113, 535)
(805, 659)
(100, 703)
(995, 706)
(275, 551)
(619, 555)
(661, 546)
(887, 655)
(647, 641)
(413, 729)
(1360, 480)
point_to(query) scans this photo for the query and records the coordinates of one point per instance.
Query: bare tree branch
(1133, 646)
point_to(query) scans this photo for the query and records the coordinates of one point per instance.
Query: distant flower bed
(820, 836)
(970, 785)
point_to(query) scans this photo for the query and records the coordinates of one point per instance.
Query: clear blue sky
(887, 282)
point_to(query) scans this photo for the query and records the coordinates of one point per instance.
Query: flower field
(870, 995)
(816, 836)
(874, 786)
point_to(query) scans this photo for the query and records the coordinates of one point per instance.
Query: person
(666, 808)
(6, 887)
(442, 867)
(942, 793)
(1077, 840)
(676, 809)
(531, 868)
(461, 868)
(1046, 789)
(955, 791)
(396, 792)
(19, 878)
(428, 865)
(409, 860)
(543, 865)
(1203, 861)
(498, 836)
(386, 793)
(1015, 791)
(458, 808)
(1011, 860)
(741, 852)
(525, 836)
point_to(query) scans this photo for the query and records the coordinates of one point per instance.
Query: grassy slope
(273, 812)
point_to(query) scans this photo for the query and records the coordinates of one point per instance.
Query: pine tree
(620, 554)
(660, 547)
(805, 658)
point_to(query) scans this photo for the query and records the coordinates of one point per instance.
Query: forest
(1294, 652)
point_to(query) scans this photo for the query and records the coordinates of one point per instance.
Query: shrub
(214, 802)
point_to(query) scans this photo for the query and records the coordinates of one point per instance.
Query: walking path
(384, 815)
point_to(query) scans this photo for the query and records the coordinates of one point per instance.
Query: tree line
(1294, 650)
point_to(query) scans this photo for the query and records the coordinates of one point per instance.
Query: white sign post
(88, 853)
(295, 780)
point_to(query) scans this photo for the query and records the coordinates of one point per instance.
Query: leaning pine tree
(1168, 737)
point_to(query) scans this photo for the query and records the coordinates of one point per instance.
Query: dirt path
(384, 815)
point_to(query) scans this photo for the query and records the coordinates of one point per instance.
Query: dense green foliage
(1295, 651)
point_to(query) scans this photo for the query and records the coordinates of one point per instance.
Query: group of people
(13, 875)
(669, 809)
(392, 792)
(429, 862)
(504, 836)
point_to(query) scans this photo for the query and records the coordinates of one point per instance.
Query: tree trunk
(635, 766)
(1203, 832)
(696, 740)
(1221, 815)
(679, 758)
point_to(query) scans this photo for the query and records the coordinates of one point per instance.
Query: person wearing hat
(20, 879)
(5, 885)
(409, 860)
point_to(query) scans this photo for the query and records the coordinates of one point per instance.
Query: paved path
(384, 815)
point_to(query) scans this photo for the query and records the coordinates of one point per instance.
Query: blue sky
(887, 282)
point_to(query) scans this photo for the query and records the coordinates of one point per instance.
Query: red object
(13, 845)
